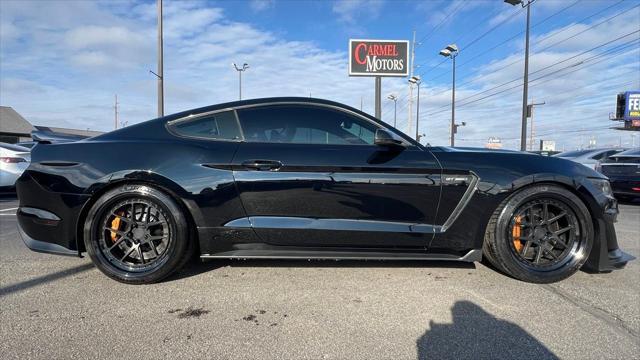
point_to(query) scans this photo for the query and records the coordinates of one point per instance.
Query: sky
(62, 62)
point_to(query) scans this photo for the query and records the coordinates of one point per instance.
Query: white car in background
(589, 157)
(14, 160)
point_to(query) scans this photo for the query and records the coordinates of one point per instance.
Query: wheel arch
(157, 181)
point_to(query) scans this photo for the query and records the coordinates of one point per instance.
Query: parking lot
(62, 307)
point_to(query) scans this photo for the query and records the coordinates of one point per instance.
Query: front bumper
(606, 255)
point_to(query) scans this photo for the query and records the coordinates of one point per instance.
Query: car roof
(584, 152)
(266, 101)
(16, 148)
(628, 153)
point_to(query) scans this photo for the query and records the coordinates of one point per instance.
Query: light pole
(451, 51)
(525, 89)
(416, 80)
(530, 115)
(394, 98)
(240, 70)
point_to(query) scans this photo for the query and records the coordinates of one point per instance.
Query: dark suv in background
(623, 171)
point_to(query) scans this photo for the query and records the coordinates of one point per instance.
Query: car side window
(216, 126)
(303, 124)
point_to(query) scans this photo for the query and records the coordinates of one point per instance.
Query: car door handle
(262, 165)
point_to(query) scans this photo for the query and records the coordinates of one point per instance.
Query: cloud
(62, 68)
(261, 5)
(349, 11)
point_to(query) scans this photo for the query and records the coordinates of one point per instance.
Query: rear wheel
(137, 234)
(541, 234)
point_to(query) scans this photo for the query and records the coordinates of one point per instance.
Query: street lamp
(394, 98)
(523, 131)
(240, 70)
(416, 80)
(451, 51)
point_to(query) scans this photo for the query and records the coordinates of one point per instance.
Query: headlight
(602, 185)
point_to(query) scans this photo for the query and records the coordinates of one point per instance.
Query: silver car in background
(14, 160)
(589, 157)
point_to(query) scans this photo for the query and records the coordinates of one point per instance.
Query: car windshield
(14, 147)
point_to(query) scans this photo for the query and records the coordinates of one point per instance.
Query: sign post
(378, 58)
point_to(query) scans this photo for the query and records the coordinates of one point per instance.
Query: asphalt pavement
(62, 307)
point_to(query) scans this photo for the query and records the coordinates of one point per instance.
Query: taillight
(12, 160)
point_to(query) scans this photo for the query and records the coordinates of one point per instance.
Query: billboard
(378, 57)
(547, 145)
(632, 106)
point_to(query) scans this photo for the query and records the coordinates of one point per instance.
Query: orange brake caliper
(516, 233)
(115, 225)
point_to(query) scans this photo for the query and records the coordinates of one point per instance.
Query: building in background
(15, 128)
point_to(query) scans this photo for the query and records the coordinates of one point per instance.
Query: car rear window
(216, 126)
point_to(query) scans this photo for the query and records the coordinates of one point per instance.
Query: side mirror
(386, 138)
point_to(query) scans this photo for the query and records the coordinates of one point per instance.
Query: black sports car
(308, 178)
(623, 171)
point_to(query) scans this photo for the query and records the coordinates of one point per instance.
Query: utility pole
(413, 57)
(530, 115)
(415, 80)
(160, 73)
(525, 89)
(115, 109)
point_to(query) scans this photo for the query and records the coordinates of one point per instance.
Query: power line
(538, 42)
(519, 58)
(462, 103)
(548, 66)
(501, 23)
(439, 25)
(511, 38)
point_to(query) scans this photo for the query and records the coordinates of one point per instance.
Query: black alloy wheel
(540, 234)
(137, 234)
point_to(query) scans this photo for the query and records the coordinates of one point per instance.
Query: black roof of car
(628, 153)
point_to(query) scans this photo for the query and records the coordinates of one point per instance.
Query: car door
(311, 176)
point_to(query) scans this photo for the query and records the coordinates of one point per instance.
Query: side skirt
(471, 256)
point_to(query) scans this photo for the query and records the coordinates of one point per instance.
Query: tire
(564, 244)
(149, 240)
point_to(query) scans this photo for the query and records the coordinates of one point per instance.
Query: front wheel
(541, 234)
(137, 234)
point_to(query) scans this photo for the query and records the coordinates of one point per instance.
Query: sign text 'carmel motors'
(378, 57)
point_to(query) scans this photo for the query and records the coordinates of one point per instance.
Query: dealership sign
(378, 57)
(632, 106)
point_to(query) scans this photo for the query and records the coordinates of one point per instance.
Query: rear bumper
(47, 220)
(44, 247)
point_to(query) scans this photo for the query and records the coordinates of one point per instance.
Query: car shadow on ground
(476, 334)
(7, 196)
(197, 267)
(632, 202)
(40, 280)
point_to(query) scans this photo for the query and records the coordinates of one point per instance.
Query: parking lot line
(15, 208)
